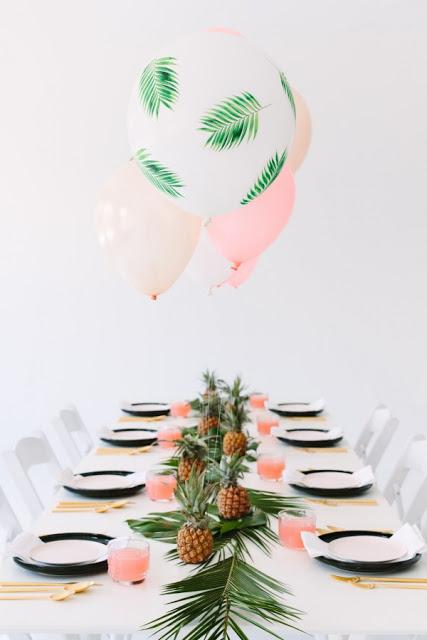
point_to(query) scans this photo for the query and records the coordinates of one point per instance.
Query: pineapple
(213, 384)
(237, 392)
(210, 410)
(194, 540)
(233, 500)
(193, 452)
(235, 440)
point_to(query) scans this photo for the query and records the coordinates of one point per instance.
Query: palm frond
(287, 89)
(272, 503)
(158, 85)
(231, 121)
(267, 177)
(216, 599)
(160, 176)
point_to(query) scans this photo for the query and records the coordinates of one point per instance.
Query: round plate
(82, 569)
(294, 409)
(66, 552)
(96, 491)
(365, 567)
(131, 438)
(147, 409)
(366, 549)
(306, 438)
(330, 492)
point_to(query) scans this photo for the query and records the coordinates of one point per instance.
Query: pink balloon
(240, 274)
(302, 138)
(247, 231)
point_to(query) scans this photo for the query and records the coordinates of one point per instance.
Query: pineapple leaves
(272, 503)
(158, 85)
(231, 121)
(160, 176)
(287, 89)
(267, 177)
(219, 597)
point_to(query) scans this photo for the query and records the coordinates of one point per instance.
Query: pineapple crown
(191, 446)
(210, 405)
(237, 391)
(213, 384)
(236, 416)
(231, 470)
(194, 497)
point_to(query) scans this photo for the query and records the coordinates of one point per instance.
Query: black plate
(281, 410)
(83, 569)
(137, 409)
(365, 567)
(351, 491)
(106, 493)
(310, 443)
(135, 442)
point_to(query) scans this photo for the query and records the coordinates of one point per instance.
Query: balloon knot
(153, 296)
(235, 266)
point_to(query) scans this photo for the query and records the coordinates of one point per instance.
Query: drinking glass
(270, 466)
(128, 559)
(291, 527)
(160, 484)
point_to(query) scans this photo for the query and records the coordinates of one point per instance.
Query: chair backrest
(376, 435)
(9, 525)
(414, 460)
(30, 452)
(72, 433)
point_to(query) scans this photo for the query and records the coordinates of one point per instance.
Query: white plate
(366, 549)
(68, 552)
(145, 406)
(132, 434)
(107, 481)
(330, 480)
(306, 434)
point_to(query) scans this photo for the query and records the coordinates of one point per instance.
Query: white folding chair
(376, 435)
(412, 463)
(73, 434)
(30, 452)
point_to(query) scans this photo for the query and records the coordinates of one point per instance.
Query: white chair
(410, 470)
(376, 435)
(73, 434)
(9, 525)
(30, 452)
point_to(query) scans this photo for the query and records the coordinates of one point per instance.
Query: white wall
(337, 305)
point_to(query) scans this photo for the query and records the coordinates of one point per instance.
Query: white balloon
(147, 238)
(210, 120)
(207, 267)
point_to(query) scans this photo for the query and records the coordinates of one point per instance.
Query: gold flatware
(141, 418)
(331, 529)
(78, 587)
(103, 508)
(100, 503)
(58, 596)
(386, 585)
(323, 449)
(122, 451)
(329, 502)
(14, 583)
(357, 579)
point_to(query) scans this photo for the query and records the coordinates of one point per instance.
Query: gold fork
(101, 508)
(336, 503)
(359, 579)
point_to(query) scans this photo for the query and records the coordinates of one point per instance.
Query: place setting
(308, 437)
(61, 554)
(146, 409)
(297, 409)
(54, 591)
(129, 437)
(103, 484)
(334, 483)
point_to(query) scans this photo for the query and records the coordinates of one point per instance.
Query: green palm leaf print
(287, 89)
(158, 85)
(267, 177)
(231, 121)
(160, 176)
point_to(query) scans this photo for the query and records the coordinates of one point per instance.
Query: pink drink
(160, 488)
(291, 527)
(270, 467)
(180, 409)
(258, 400)
(167, 436)
(264, 425)
(128, 565)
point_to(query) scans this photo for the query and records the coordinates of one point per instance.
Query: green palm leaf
(158, 85)
(267, 177)
(219, 597)
(160, 176)
(231, 121)
(287, 89)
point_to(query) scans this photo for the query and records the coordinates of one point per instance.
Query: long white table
(329, 606)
